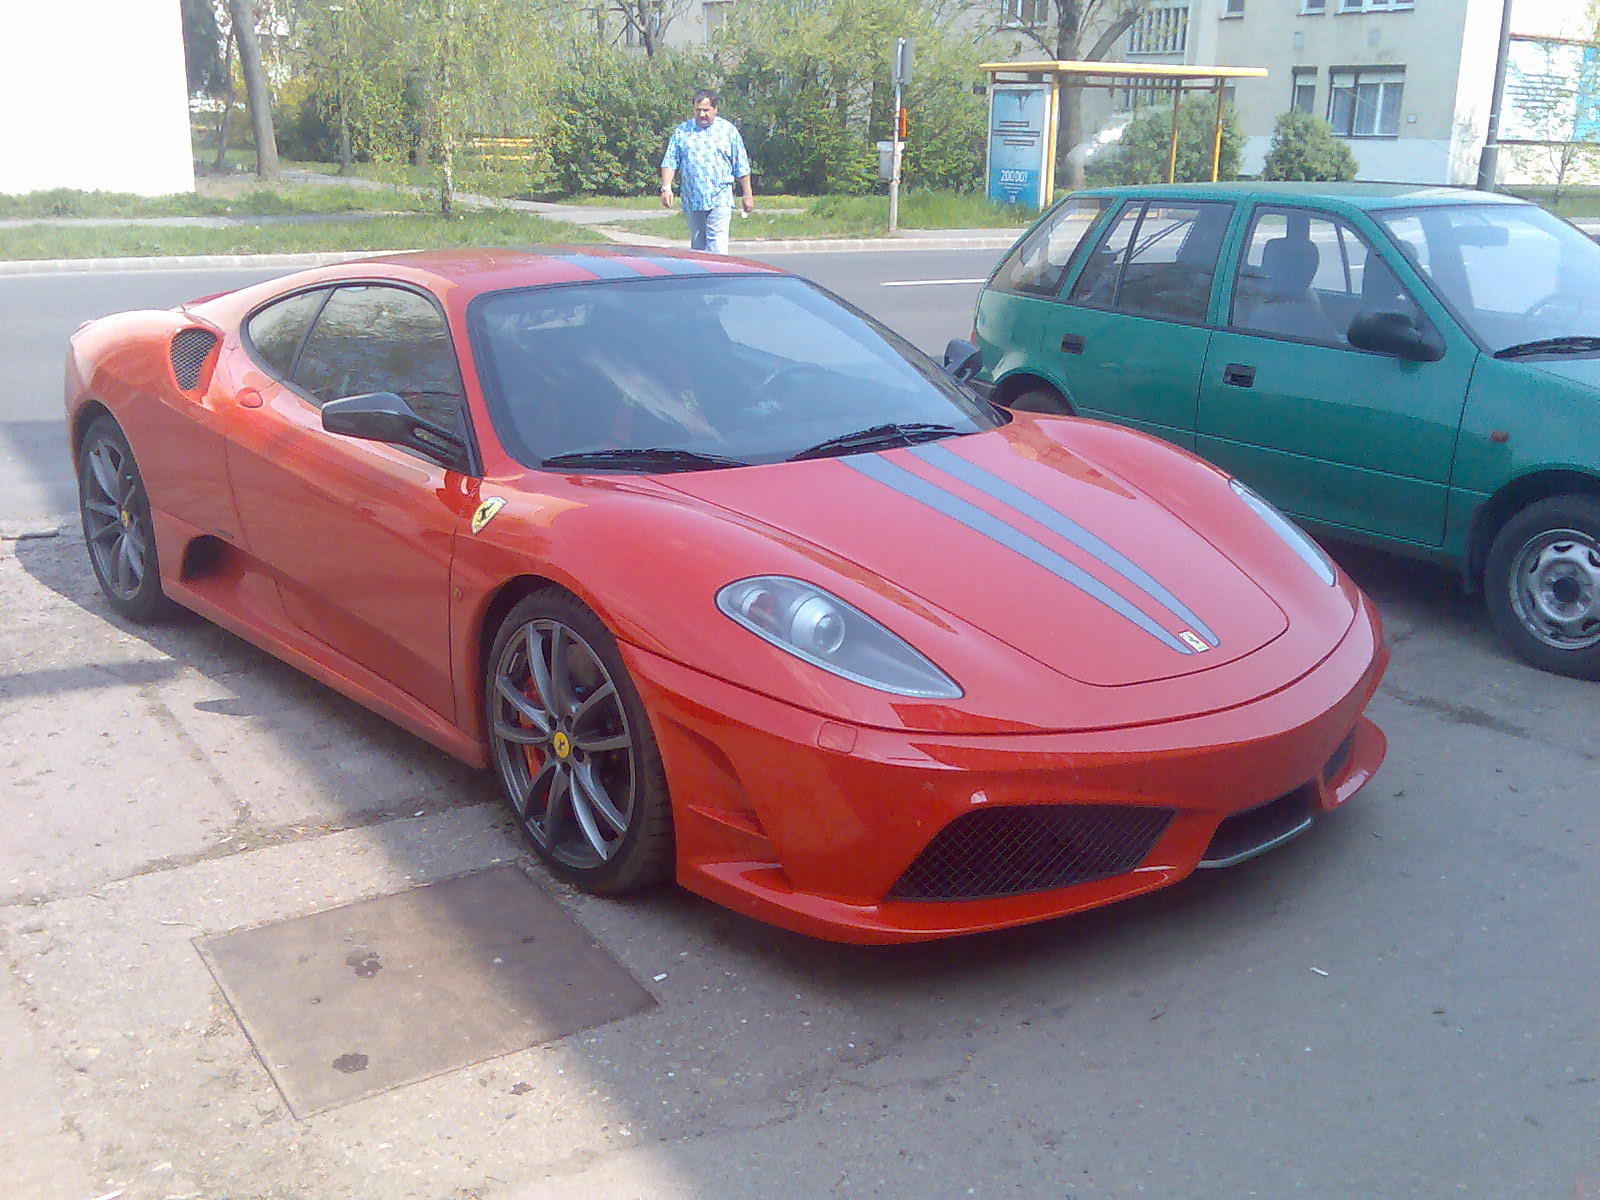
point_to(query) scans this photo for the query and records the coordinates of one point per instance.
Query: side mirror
(1396, 334)
(962, 359)
(385, 417)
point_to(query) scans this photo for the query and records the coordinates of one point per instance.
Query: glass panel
(1158, 261)
(1389, 109)
(276, 330)
(1039, 263)
(755, 368)
(383, 339)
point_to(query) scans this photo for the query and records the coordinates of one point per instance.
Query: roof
(1366, 196)
(491, 269)
(1108, 71)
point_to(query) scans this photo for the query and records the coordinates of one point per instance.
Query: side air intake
(188, 353)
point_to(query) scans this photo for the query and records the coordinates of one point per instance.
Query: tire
(573, 749)
(1542, 585)
(116, 525)
(1041, 400)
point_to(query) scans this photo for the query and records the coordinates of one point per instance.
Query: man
(709, 153)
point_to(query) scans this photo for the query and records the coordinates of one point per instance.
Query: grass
(238, 200)
(1575, 201)
(856, 217)
(498, 228)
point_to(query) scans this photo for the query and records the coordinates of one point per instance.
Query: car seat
(1277, 298)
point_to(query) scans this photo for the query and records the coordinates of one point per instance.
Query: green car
(1417, 368)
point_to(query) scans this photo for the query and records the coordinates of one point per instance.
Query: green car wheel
(1542, 584)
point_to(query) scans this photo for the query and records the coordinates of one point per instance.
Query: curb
(746, 249)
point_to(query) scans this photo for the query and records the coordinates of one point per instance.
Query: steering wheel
(1556, 304)
(783, 379)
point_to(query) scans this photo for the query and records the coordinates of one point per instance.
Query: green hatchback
(1413, 367)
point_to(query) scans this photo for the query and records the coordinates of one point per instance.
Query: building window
(1163, 30)
(1313, 7)
(1356, 6)
(1365, 101)
(1233, 8)
(716, 13)
(1024, 12)
(1303, 92)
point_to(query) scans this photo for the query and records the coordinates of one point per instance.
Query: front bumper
(866, 835)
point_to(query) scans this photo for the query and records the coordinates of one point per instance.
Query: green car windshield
(1514, 274)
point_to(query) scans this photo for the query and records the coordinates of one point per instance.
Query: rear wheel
(1542, 585)
(573, 748)
(116, 524)
(1041, 400)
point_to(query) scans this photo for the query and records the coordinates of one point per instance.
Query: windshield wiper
(877, 437)
(643, 458)
(1556, 345)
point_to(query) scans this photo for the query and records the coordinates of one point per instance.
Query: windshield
(684, 374)
(1513, 273)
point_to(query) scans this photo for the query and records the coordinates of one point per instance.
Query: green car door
(1356, 438)
(1129, 338)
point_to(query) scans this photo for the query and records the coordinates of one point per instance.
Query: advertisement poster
(1552, 92)
(1019, 125)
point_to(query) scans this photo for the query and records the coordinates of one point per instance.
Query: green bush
(797, 132)
(1140, 156)
(948, 136)
(613, 113)
(1303, 147)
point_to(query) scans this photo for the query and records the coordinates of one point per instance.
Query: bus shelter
(1025, 110)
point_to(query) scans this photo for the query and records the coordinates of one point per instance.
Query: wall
(93, 96)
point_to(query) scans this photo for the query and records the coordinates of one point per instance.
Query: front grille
(1257, 830)
(1030, 848)
(188, 353)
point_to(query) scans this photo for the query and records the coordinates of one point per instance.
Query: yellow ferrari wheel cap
(561, 744)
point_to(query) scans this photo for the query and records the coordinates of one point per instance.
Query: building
(93, 95)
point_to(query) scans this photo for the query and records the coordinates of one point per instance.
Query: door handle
(1072, 343)
(1239, 375)
(248, 397)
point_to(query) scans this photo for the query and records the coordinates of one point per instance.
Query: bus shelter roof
(1106, 74)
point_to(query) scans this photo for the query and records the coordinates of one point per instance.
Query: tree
(202, 48)
(417, 79)
(1142, 153)
(647, 20)
(1083, 31)
(1303, 147)
(257, 95)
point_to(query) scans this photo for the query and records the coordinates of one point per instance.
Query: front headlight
(825, 631)
(1288, 531)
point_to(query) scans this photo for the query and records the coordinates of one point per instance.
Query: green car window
(1156, 260)
(1038, 264)
(1305, 275)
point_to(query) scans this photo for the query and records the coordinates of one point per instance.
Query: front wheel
(573, 749)
(1041, 400)
(116, 524)
(1542, 585)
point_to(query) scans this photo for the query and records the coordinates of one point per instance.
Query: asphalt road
(1400, 1004)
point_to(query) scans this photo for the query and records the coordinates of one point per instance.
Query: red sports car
(729, 584)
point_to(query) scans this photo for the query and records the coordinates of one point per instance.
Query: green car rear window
(1038, 264)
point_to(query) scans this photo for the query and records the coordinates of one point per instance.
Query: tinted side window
(276, 330)
(1038, 264)
(1156, 260)
(1305, 276)
(383, 339)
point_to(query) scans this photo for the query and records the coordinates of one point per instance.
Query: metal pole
(1488, 161)
(894, 167)
(1172, 147)
(1216, 134)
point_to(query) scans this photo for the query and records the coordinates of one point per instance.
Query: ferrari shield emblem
(1194, 641)
(486, 512)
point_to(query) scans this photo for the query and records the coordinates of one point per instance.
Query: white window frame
(1303, 78)
(1373, 93)
(1232, 9)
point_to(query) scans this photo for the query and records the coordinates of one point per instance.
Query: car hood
(1015, 535)
(1585, 371)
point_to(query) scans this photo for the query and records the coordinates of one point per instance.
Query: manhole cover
(359, 999)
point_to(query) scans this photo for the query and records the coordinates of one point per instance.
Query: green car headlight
(1289, 532)
(822, 629)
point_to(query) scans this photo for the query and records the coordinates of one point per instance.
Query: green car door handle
(1072, 343)
(1239, 375)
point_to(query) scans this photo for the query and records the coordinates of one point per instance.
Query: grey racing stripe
(951, 463)
(601, 265)
(916, 488)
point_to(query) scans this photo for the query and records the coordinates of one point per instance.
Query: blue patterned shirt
(707, 162)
